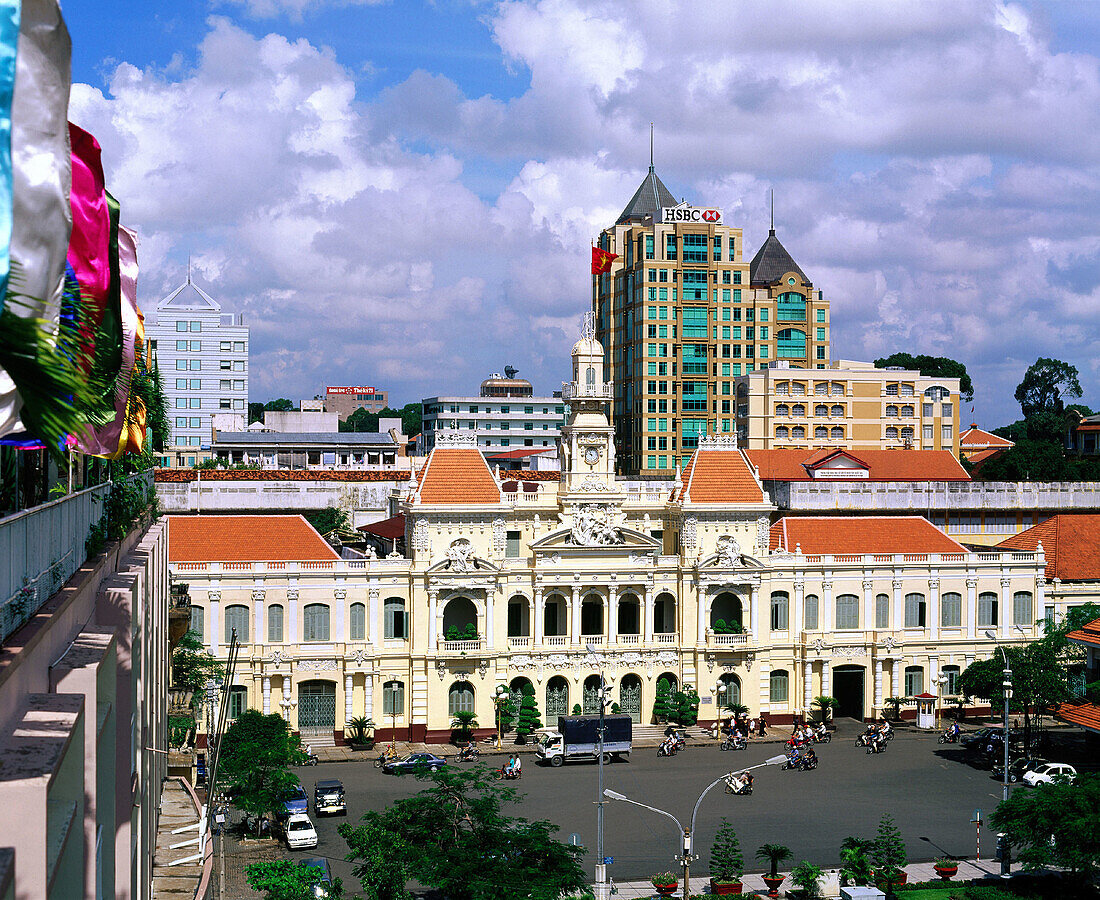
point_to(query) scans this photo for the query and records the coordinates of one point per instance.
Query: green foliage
(888, 851)
(280, 405)
(379, 855)
(360, 729)
(361, 420)
(329, 519)
(663, 708)
(727, 862)
(685, 707)
(193, 666)
(823, 705)
(464, 722)
(616, 709)
(281, 879)
(774, 854)
(721, 626)
(528, 719)
(855, 865)
(576, 709)
(257, 751)
(1037, 460)
(805, 876)
(663, 879)
(895, 704)
(255, 412)
(1056, 825)
(932, 367)
(468, 633)
(1046, 382)
(455, 837)
(127, 500)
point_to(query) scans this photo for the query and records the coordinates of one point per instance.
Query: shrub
(727, 862)
(805, 875)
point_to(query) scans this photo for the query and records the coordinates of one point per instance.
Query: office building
(682, 313)
(848, 404)
(504, 415)
(203, 358)
(346, 399)
(306, 450)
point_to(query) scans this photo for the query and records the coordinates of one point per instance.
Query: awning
(391, 528)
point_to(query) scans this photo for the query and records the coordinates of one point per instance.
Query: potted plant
(576, 709)
(727, 862)
(855, 866)
(946, 867)
(361, 733)
(889, 856)
(895, 707)
(774, 854)
(665, 883)
(805, 876)
(825, 706)
(463, 723)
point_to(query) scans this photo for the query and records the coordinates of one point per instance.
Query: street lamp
(500, 697)
(601, 868)
(1006, 685)
(687, 856)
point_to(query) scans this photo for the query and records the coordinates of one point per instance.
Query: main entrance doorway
(848, 690)
(317, 712)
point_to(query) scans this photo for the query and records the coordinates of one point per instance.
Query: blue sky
(402, 193)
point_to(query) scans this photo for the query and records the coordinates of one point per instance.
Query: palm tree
(825, 704)
(895, 704)
(774, 854)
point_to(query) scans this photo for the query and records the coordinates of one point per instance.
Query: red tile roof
(457, 475)
(861, 534)
(1087, 715)
(720, 476)
(245, 539)
(976, 439)
(1090, 634)
(1071, 544)
(882, 465)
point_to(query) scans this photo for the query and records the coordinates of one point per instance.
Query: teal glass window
(791, 343)
(690, 432)
(694, 399)
(695, 285)
(695, 359)
(791, 307)
(695, 248)
(670, 246)
(821, 315)
(649, 246)
(695, 322)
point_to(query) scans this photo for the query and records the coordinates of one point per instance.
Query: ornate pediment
(562, 543)
(460, 560)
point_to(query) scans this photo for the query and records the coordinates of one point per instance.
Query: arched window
(821, 387)
(821, 432)
(914, 680)
(730, 695)
(782, 388)
(915, 608)
(907, 412)
(780, 602)
(907, 433)
(460, 698)
(892, 433)
(395, 620)
(790, 307)
(821, 410)
(590, 375)
(891, 412)
(798, 433)
(782, 410)
(951, 610)
(782, 432)
(836, 411)
(811, 612)
(987, 610)
(837, 433)
(836, 389)
(777, 686)
(906, 390)
(798, 411)
(882, 611)
(275, 624)
(393, 698)
(357, 622)
(198, 623)
(236, 618)
(847, 612)
(790, 343)
(797, 387)
(951, 685)
(891, 390)
(315, 622)
(1021, 609)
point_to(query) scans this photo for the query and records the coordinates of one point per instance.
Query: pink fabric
(89, 244)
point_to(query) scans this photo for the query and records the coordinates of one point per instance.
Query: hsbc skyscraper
(683, 313)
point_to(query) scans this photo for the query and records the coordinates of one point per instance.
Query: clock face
(592, 456)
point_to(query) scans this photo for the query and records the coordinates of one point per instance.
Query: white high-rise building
(203, 358)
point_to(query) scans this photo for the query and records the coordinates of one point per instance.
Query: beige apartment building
(689, 581)
(682, 313)
(848, 404)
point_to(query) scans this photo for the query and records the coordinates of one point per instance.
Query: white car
(300, 833)
(1047, 772)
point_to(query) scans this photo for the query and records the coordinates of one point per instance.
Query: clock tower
(588, 441)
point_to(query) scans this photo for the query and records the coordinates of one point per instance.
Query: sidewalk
(754, 884)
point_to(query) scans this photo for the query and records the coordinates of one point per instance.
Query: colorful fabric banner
(9, 38)
(601, 261)
(90, 243)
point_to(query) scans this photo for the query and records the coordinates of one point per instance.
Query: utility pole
(601, 868)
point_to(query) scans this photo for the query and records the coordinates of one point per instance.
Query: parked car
(414, 762)
(1017, 768)
(980, 739)
(321, 864)
(295, 800)
(328, 797)
(299, 832)
(1047, 772)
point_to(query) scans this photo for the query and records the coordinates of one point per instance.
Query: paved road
(931, 792)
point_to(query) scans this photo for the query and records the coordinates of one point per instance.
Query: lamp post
(500, 697)
(1006, 686)
(688, 833)
(601, 868)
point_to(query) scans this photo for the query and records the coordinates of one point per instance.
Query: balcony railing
(462, 646)
(572, 390)
(516, 642)
(629, 639)
(556, 641)
(728, 640)
(664, 638)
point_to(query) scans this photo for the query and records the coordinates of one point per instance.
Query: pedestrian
(752, 725)
(762, 724)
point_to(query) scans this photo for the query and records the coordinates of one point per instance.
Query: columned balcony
(728, 641)
(462, 646)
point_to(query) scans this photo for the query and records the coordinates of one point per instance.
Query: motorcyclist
(953, 731)
(810, 758)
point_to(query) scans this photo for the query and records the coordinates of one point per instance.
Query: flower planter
(725, 887)
(666, 890)
(946, 872)
(773, 884)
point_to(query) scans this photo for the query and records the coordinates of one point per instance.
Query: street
(928, 789)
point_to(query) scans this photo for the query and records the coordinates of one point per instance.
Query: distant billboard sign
(352, 389)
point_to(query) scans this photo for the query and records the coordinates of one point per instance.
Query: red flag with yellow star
(601, 261)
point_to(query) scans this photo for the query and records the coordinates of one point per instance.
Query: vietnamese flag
(601, 261)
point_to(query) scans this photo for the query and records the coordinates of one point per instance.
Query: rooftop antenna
(773, 211)
(188, 268)
(588, 327)
(650, 146)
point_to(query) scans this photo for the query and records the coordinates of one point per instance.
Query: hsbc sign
(704, 215)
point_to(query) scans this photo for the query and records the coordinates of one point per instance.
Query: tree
(193, 666)
(727, 862)
(855, 864)
(888, 853)
(360, 420)
(805, 875)
(257, 751)
(280, 405)
(454, 836)
(281, 879)
(662, 701)
(329, 519)
(686, 706)
(1056, 825)
(380, 856)
(255, 412)
(774, 854)
(1045, 384)
(824, 705)
(932, 367)
(410, 419)
(528, 719)
(464, 722)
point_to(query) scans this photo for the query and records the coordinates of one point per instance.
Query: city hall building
(545, 583)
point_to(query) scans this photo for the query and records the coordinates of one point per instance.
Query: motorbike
(878, 746)
(677, 739)
(740, 783)
(822, 736)
(311, 760)
(666, 749)
(949, 737)
(792, 762)
(383, 757)
(806, 763)
(506, 774)
(733, 742)
(468, 753)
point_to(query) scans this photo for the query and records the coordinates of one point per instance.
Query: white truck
(577, 738)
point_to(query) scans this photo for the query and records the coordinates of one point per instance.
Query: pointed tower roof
(647, 200)
(771, 262)
(189, 296)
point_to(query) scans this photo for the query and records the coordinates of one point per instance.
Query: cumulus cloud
(931, 163)
(293, 9)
